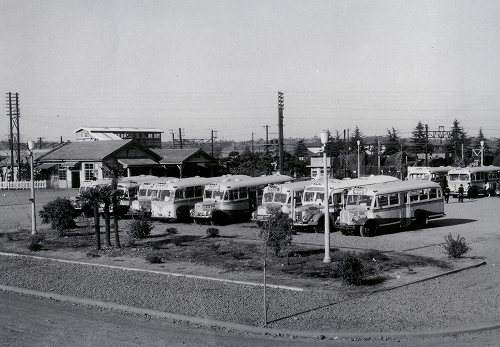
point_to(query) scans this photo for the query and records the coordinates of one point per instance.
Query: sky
(218, 65)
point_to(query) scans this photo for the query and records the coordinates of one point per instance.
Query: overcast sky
(202, 65)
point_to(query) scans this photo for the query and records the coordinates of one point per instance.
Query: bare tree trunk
(107, 223)
(114, 200)
(97, 228)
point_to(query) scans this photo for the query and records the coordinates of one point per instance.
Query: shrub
(278, 231)
(140, 228)
(455, 248)
(154, 258)
(171, 231)
(212, 232)
(351, 269)
(35, 243)
(59, 213)
(92, 254)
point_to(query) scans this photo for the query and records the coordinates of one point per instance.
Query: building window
(62, 173)
(89, 171)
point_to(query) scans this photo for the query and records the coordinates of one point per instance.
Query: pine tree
(393, 142)
(419, 138)
(458, 138)
(353, 144)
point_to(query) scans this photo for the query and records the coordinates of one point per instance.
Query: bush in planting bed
(140, 228)
(455, 248)
(154, 258)
(59, 213)
(351, 269)
(212, 232)
(171, 231)
(35, 243)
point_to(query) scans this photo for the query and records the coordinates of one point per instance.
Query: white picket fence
(22, 185)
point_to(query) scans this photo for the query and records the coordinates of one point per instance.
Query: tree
(353, 141)
(277, 233)
(419, 138)
(94, 197)
(393, 142)
(476, 144)
(458, 138)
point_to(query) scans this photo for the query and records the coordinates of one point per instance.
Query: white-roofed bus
(284, 197)
(146, 193)
(398, 204)
(311, 214)
(427, 173)
(484, 180)
(231, 200)
(175, 198)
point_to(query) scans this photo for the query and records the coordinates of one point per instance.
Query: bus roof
(473, 169)
(430, 169)
(335, 185)
(198, 181)
(399, 186)
(250, 182)
(291, 186)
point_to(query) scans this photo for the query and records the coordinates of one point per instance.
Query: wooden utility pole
(213, 137)
(15, 134)
(266, 146)
(252, 143)
(426, 145)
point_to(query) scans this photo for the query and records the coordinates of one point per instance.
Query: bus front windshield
(313, 196)
(165, 195)
(359, 200)
(143, 192)
(268, 197)
(459, 177)
(280, 197)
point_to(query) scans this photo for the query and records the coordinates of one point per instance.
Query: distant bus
(175, 198)
(284, 197)
(399, 204)
(311, 214)
(230, 200)
(484, 180)
(427, 173)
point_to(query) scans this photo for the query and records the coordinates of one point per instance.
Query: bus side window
(394, 199)
(189, 192)
(198, 191)
(404, 197)
(383, 200)
(298, 198)
(433, 193)
(423, 194)
(243, 193)
(413, 195)
(179, 194)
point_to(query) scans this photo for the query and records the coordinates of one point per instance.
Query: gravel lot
(459, 301)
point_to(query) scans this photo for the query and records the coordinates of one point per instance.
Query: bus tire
(260, 224)
(182, 214)
(368, 230)
(421, 219)
(320, 227)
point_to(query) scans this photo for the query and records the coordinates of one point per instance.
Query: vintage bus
(484, 180)
(77, 202)
(426, 173)
(230, 200)
(146, 193)
(283, 197)
(175, 198)
(128, 188)
(399, 204)
(311, 214)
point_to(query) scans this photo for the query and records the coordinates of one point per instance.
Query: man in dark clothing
(469, 192)
(446, 194)
(461, 193)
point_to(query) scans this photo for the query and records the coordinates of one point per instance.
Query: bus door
(405, 209)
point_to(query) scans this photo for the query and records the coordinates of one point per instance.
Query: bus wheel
(368, 230)
(421, 219)
(183, 214)
(320, 227)
(260, 224)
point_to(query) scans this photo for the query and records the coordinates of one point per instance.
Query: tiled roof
(177, 155)
(84, 150)
(118, 129)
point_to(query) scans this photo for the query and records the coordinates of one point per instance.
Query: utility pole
(15, 134)
(180, 137)
(281, 106)
(213, 137)
(266, 146)
(426, 145)
(378, 155)
(40, 142)
(173, 137)
(252, 144)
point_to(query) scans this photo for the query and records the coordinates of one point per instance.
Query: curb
(247, 328)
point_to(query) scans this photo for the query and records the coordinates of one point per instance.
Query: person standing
(446, 194)
(469, 191)
(461, 193)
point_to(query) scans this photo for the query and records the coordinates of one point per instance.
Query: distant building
(150, 138)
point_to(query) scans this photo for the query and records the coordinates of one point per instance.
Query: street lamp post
(324, 141)
(482, 152)
(31, 146)
(358, 142)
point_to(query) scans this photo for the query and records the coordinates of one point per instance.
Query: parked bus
(146, 193)
(77, 202)
(175, 198)
(426, 173)
(283, 197)
(230, 200)
(397, 204)
(128, 188)
(484, 180)
(311, 214)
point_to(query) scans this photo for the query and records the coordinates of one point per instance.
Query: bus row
(483, 180)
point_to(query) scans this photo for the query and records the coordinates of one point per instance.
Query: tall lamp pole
(359, 174)
(324, 140)
(482, 152)
(31, 146)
